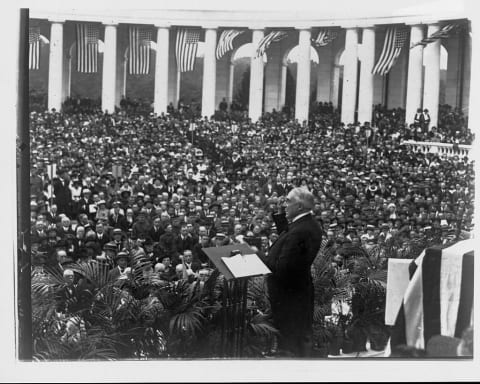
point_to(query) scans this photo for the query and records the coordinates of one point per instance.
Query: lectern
(237, 263)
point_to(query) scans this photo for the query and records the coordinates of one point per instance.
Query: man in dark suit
(269, 187)
(65, 227)
(426, 120)
(290, 284)
(157, 230)
(184, 240)
(63, 194)
(53, 217)
(101, 236)
(120, 271)
(116, 219)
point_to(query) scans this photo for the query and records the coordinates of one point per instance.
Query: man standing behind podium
(290, 284)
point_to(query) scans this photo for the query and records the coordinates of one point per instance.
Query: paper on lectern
(246, 265)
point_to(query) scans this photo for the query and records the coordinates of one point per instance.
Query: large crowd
(108, 187)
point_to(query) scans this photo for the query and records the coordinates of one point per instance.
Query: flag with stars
(139, 43)
(392, 46)
(87, 47)
(34, 48)
(186, 48)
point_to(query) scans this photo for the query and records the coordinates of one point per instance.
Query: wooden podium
(237, 263)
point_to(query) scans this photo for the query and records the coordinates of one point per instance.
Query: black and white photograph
(231, 192)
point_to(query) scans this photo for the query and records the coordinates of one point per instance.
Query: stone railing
(439, 149)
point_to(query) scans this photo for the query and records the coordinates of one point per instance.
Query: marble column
(349, 91)
(230, 82)
(109, 68)
(55, 67)
(365, 96)
(161, 70)
(302, 99)
(415, 73)
(255, 105)
(209, 73)
(283, 86)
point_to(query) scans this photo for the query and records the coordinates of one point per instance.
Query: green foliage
(145, 318)
(140, 318)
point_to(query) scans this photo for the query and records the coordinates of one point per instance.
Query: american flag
(325, 37)
(186, 48)
(139, 50)
(439, 296)
(87, 48)
(442, 33)
(392, 46)
(34, 48)
(225, 43)
(269, 39)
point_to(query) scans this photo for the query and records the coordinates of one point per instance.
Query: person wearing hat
(418, 118)
(109, 253)
(290, 258)
(120, 271)
(425, 120)
(118, 238)
(102, 211)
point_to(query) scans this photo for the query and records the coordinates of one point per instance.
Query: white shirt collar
(300, 216)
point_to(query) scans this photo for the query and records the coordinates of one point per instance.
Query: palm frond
(262, 329)
(95, 272)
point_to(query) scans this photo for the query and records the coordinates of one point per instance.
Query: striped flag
(34, 48)
(392, 46)
(272, 37)
(87, 47)
(139, 42)
(325, 37)
(439, 297)
(225, 43)
(442, 33)
(186, 48)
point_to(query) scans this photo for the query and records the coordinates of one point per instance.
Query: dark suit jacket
(104, 240)
(290, 284)
(183, 244)
(62, 232)
(63, 195)
(155, 235)
(54, 220)
(119, 222)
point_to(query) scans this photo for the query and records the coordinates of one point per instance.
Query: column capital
(414, 24)
(256, 27)
(163, 24)
(210, 26)
(110, 23)
(349, 26)
(56, 20)
(303, 28)
(424, 22)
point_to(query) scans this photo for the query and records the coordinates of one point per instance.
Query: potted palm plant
(368, 278)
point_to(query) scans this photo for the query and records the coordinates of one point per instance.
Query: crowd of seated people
(108, 187)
